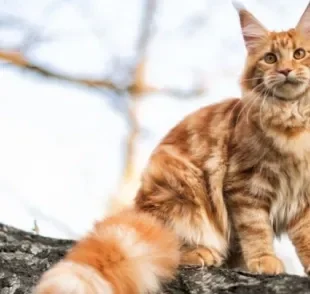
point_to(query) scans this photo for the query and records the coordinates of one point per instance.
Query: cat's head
(278, 63)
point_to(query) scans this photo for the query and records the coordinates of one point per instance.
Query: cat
(235, 172)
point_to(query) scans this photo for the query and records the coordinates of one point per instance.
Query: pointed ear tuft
(238, 5)
(303, 26)
(254, 33)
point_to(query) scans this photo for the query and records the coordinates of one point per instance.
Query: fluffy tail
(128, 253)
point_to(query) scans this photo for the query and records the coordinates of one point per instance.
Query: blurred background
(89, 87)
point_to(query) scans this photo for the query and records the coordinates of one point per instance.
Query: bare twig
(36, 228)
(16, 58)
(138, 87)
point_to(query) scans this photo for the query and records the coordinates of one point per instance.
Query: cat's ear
(303, 25)
(254, 33)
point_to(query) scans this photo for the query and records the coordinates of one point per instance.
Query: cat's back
(203, 130)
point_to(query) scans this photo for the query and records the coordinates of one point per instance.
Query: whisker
(272, 79)
(251, 79)
(248, 102)
(231, 112)
(254, 100)
(273, 93)
(260, 109)
(243, 108)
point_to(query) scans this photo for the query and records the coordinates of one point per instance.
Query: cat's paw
(266, 264)
(201, 256)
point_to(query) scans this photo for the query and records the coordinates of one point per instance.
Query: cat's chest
(292, 193)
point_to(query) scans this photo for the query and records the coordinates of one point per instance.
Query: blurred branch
(136, 88)
(17, 59)
(146, 27)
(12, 21)
(130, 180)
(126, 190)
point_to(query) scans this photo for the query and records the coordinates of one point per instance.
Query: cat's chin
(289, 91)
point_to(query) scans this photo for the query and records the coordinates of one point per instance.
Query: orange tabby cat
(236, 171)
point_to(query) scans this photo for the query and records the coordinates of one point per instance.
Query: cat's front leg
(299, 233)
(254, 232)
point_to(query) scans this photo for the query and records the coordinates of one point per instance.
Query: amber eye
(270, 58)
(299, 53)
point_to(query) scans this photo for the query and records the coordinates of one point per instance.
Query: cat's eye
(299, 53)
(270, 58)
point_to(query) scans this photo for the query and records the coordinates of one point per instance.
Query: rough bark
(24, 256)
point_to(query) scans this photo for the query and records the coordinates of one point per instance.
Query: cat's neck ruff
(279, 112)
(286, 122)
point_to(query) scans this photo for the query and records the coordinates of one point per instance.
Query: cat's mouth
(290, 81)
(287, 89)
(286, 80)
(290, 91)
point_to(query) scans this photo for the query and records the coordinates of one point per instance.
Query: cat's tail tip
(70, 277)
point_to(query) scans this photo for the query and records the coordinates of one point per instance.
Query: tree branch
(16, 58)
(25, 256)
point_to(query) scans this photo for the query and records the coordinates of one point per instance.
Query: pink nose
(285, 71)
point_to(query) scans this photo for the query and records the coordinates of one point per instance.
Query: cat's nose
(285, 71)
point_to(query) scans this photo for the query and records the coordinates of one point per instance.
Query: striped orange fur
(219, 186)
(128, 253)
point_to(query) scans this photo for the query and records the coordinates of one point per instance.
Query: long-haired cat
(236, 171)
